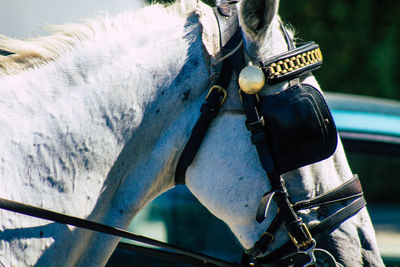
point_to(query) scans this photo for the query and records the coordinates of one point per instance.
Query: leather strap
(255, 123)
(5, 53)
(338, 217)
(266, 238)
(209, 111)
(94, 226)
(215, 98)
(293, 222)
(349, 190)
(329, 224)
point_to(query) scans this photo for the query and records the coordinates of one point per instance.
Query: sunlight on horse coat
(93, 120)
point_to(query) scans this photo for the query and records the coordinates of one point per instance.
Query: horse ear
(256, 15)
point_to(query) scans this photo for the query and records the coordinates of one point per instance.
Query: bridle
(262, 120)
(272, 121)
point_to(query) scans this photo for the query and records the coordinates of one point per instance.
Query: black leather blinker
(299, 126)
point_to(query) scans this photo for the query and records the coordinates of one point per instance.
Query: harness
(289, 130)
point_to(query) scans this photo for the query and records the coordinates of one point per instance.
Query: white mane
(65, 38)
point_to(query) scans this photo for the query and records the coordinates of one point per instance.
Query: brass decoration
(251, 80)
(294, 63)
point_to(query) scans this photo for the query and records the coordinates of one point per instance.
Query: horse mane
(33, 52)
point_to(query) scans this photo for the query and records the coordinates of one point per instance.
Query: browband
(291, 64)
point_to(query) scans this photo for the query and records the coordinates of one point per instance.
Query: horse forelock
(65, 38)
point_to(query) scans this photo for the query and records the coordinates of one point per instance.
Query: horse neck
(101, 146)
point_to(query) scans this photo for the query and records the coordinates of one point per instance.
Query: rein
(264, 123)
(5, 53)
(106, 229)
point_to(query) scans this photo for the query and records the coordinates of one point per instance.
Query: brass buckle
(301, 245)
(267, 234)
(220, 89)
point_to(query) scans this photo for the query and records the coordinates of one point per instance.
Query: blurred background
(23, 18)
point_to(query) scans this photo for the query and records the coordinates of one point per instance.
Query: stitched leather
(299, 126)
(349, 190)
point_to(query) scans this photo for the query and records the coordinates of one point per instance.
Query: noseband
(290, 129)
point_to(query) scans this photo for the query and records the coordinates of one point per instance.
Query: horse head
(229, 180)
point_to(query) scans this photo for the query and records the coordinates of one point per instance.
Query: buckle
(220, 89)
(304, 244)
(270, 236)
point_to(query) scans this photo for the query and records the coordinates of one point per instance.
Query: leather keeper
(256, 126)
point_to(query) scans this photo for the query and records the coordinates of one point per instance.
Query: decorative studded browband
(287, 66)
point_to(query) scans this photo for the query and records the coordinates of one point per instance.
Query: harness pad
(299, 127)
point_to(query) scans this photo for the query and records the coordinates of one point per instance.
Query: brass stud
(251, 80)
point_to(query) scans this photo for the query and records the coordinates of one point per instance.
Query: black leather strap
(5, 53)
(326, 226)
(349, 190)
(98, 227)
(266, 238)
(253, 116)
(215, 98)
(209, 110)
(333, 221)
(255, 121)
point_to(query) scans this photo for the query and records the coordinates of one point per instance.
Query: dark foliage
(359, 41)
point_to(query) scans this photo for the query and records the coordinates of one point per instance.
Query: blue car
(370, 132)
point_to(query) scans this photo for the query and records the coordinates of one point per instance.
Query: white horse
(93, 120)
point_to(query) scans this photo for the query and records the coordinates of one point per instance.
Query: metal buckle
(267, 234)
(310, 254)
(220, 89)
(300, 245)
(307, 246)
